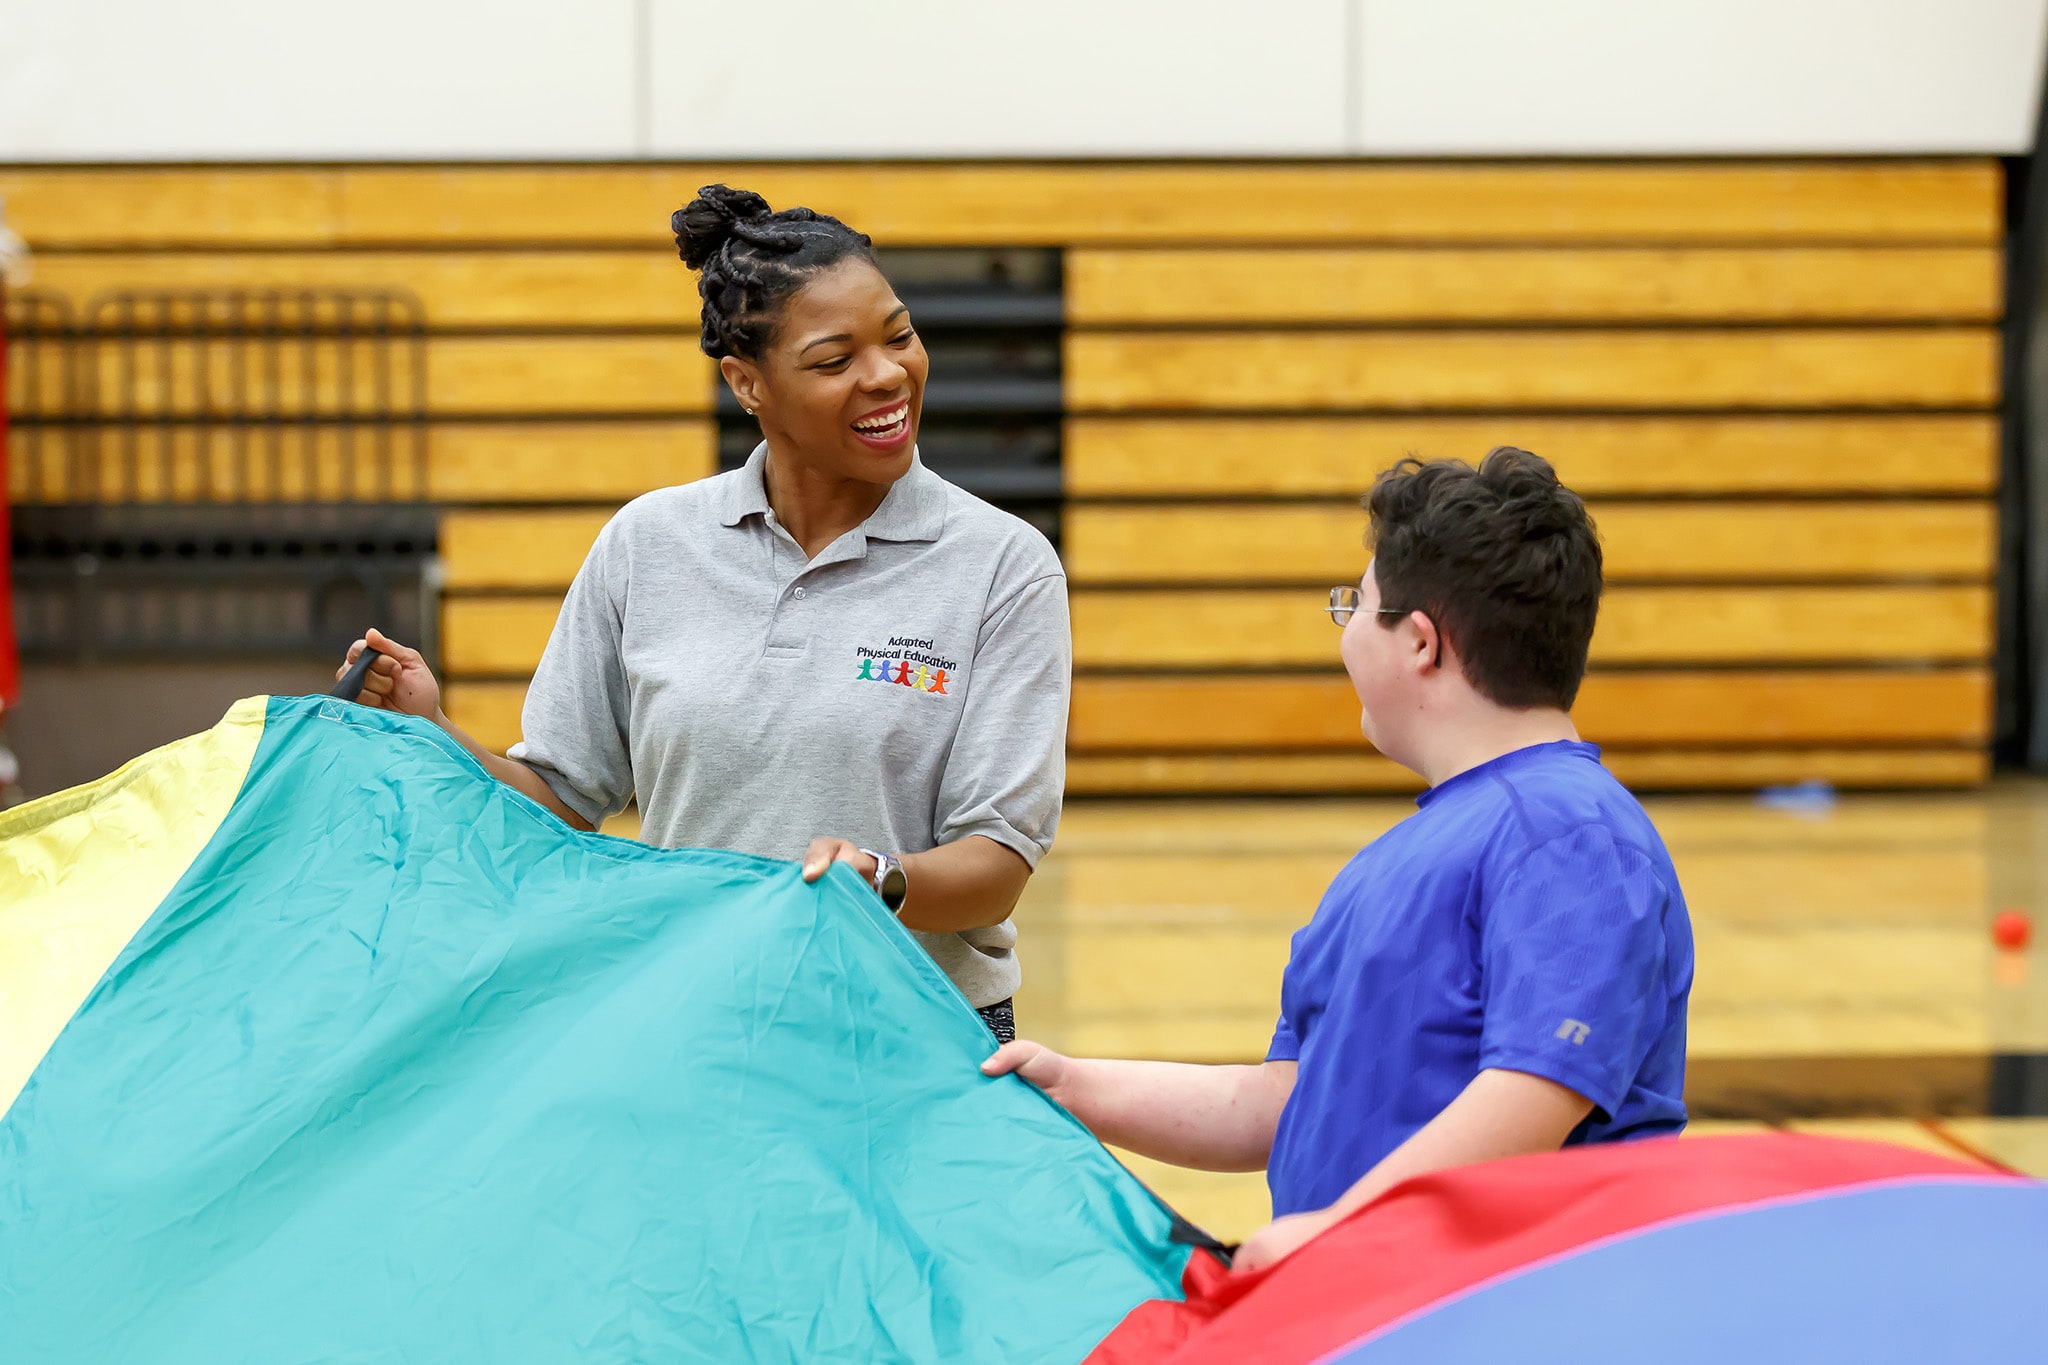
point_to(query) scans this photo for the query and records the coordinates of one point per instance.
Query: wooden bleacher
(1948, 202)
(490, 461)
(1752, 556)
(1776, 384)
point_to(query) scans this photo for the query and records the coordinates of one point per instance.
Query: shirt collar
(746, 492)
(1509, 762)
(915, 508)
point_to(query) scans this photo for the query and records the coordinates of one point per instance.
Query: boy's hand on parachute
(824, 852)
(1280, 1239)
(1036, 1063)
(400, 681)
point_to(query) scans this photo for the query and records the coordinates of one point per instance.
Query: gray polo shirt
(906, 688)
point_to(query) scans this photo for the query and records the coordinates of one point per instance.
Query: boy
(1506, 971)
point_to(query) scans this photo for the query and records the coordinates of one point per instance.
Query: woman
(830, 652)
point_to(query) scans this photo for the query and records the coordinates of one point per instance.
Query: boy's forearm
(1500, 1114)
(1213, 1118)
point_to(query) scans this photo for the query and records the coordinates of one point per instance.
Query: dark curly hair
(1503, 558)
(751, 259)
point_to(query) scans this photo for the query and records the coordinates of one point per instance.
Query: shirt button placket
(786, 635)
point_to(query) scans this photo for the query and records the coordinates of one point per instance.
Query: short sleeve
(1285, 1047)
(1007, 770)
(1573, 965)
(577, 714)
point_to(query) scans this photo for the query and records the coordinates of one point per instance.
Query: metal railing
(224, 470)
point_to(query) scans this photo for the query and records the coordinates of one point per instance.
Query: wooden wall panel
(1349, 202)
(1317, 546)
(1519, 284)
(468, 462)
(1647, 769)
(1287, 628)
(1252, 629)
(180, 462)
(458, 288)
(1420, 371)
(1687, 769)
(490, 549)
(568, 374)
(648, 287)
(494, 637)
(622, 373)
(1776, 382)
(1287, 456)
(1732, 708)
(490, 711)
(573, 461)
(170, 207)
(1644, 542)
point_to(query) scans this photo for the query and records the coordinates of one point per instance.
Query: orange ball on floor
(2012, 930)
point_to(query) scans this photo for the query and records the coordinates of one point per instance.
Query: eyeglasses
(1344, 604)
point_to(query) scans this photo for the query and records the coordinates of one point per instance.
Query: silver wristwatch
(892, 884)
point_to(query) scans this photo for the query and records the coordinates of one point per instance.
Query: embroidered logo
(907, 662)
(1573, 1030)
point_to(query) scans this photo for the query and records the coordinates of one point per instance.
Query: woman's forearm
(970, 883)
(514, 774)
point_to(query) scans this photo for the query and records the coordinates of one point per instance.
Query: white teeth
(885, 421)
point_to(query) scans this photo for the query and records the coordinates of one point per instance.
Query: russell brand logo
(907, 662)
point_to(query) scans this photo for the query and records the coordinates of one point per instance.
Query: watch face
(895, 886)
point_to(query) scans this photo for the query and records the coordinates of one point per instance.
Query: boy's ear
(743, 379)
(1433, 643)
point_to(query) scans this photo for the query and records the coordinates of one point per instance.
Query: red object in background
(2012, 930)
(10, 663)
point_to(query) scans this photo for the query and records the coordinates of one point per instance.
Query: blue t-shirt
(1526, 917)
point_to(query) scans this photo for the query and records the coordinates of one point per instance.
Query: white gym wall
(255, 80)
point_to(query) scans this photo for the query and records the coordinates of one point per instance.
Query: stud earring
(747, 410)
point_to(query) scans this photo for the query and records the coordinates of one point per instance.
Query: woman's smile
(885, 429)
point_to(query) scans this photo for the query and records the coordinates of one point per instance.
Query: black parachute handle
(1184, 1233)
(351, 685)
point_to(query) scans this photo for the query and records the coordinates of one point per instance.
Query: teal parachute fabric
(401, 1070)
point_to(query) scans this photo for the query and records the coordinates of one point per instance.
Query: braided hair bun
(751, 259)
(710, 220)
